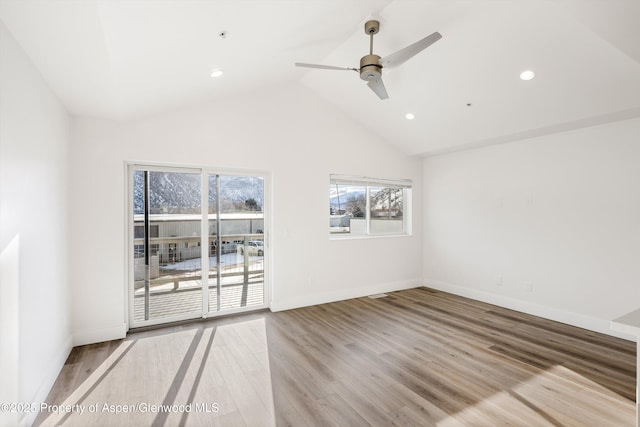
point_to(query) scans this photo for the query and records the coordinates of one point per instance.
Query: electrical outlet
(529, 286)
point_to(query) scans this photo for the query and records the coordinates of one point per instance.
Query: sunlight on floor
(214, 375)
(560, 385)
(80, 394)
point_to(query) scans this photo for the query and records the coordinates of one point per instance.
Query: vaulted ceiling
(127, 59)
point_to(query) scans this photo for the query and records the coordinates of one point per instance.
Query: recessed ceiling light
(409, 116)
(527, 75)
(217, 73)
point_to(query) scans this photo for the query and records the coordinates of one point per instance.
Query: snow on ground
(226, 260)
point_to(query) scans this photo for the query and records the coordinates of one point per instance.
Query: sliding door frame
(205, 172)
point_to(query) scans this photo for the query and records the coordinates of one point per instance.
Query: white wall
(35, 330)
(561, 212)
(287, 131)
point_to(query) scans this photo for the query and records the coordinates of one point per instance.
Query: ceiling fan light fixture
(527, 75)
(217, 72)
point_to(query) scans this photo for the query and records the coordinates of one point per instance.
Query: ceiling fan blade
(323, 67)
(377, 86)
(408, 52)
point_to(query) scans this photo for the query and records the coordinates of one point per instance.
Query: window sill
(370, 236)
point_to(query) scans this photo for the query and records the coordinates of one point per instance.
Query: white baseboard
(340, 295)
(91, 336)
(570, 318)
(53, 370)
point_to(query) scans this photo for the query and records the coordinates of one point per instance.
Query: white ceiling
(123, 59)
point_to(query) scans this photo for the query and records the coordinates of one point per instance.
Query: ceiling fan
(371, 65)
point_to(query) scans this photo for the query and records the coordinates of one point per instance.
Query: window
(138, 230)
(360, 206)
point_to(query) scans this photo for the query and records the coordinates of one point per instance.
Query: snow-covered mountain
(171, 192)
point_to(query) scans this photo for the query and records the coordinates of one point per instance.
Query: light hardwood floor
(414, 358)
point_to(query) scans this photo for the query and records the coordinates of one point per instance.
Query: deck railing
(177, 260)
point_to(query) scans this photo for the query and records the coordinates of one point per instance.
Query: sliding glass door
(197, 244)
(236, 225)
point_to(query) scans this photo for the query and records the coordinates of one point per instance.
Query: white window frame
(367, 183)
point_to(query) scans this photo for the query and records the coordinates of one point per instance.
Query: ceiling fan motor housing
(370, 68)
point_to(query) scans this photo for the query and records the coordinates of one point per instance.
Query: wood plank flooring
(414, 358)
